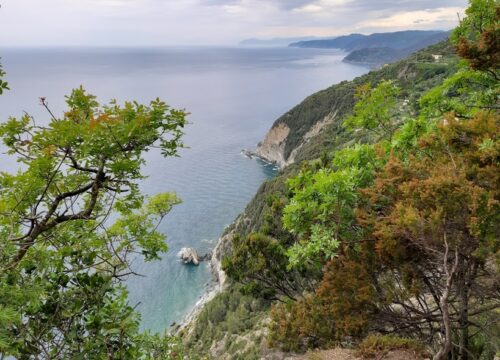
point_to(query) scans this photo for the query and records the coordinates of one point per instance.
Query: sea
(233, 96)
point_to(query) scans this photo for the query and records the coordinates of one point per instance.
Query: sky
(210, 22)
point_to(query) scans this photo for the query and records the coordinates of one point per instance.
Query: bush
(377, 345)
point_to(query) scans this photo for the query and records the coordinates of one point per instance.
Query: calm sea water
(233, 95)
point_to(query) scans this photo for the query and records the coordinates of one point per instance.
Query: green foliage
(416, 230)
(406, 138)
(257, 257)
(260, 262)
(322, 243)
(375, 346)
(321, 208)
(377, 275)
(464, 93)
(481, 15)
(375, 109)
(414, 75)
(70, 220)
(230, 316)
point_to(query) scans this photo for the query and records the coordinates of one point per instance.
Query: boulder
(189, 256)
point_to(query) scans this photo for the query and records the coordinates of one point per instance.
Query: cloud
(207, 22)
(406, 19)
(282, 4)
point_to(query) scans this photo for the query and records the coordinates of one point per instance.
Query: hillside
(298, 134)
(379, 236)
(233, 325)
(374, 56)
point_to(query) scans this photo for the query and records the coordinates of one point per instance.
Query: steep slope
(296, 132)
(234, 324)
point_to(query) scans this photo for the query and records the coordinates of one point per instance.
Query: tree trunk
(445, 349)
(463, 319)
(446, 345)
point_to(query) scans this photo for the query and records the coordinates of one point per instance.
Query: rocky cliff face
(272, 149)
(221, 249)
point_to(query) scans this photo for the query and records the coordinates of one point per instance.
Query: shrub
(377, 345)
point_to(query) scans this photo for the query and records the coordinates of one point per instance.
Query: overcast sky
(210, 22)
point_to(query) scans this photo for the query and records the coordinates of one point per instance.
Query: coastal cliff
(273, 148)
(230, 324)
(315, 125)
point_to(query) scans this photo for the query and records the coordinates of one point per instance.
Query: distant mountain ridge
(379, 48)
(395, 40)
(376, 56)
(285, 41)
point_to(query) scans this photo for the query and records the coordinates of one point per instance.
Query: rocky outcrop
(189, 256)
(313, 131)
(272, 149)
(221, 249)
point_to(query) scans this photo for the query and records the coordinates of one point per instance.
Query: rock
(248, 153)
(189, 256)
(272, 149)
(221, 249)
(206, 257)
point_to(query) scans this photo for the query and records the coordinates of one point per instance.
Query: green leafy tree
(375, 109)
(464, 94)
(71, 218)
(321, 210)
(475, 86)
(477, 38)
(417, 251)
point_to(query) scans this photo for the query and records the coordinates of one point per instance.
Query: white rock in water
(189, 256)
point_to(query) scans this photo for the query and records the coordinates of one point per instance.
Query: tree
(434, 222)
(71, 218)
(375, 109)
(321, 210)
(477, 38)
(418, 249)
(475, 86)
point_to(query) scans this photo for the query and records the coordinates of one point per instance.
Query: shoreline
(254, 155)
(207, 296)
(218, 282)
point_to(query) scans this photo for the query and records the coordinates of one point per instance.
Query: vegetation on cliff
(385, 235)
(414, 76)
(392, 220)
